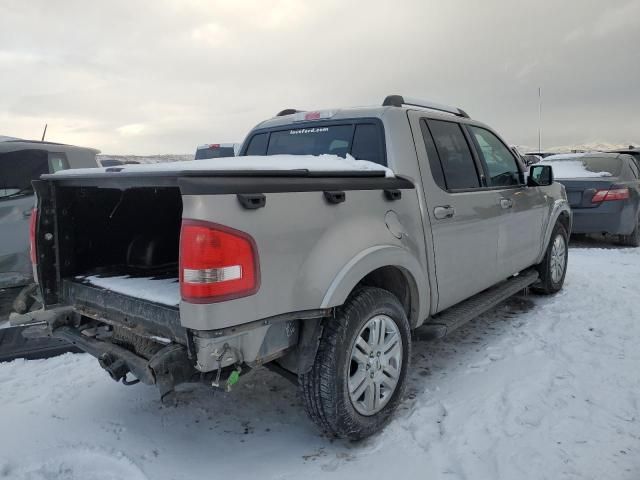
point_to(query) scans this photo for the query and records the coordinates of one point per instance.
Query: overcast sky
(147, 77)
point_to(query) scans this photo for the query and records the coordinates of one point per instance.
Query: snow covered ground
(541, 388)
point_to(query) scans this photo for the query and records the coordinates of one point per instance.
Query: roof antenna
(44, 132)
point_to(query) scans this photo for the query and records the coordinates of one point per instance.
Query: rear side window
(457, 163)
(362, 140)
(634, 167)
(501, 165)
(367, 144)
(432, 155)
(258, 144)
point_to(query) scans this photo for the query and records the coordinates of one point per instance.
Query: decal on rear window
(308, 130)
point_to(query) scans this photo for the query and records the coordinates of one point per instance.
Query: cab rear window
(362, 140)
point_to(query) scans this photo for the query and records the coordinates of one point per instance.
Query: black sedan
(603, 191)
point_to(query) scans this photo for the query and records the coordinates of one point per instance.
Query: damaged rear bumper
(168, 367)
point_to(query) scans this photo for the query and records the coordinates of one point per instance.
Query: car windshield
(584, 167)
(363, 141)
(18, 169)
(214, 152)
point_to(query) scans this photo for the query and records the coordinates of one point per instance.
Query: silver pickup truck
(186, 272)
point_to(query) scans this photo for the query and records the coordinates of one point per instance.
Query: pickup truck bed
(118, 236)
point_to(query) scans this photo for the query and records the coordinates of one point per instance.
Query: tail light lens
(217, 263)
(608, 195)
(32, 236)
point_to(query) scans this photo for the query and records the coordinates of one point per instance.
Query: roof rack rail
(399, 101)
(288, 111)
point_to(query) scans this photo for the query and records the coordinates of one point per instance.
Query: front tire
(553, 268)
(358, 377)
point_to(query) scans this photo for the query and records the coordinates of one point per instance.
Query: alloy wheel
(375, 366)
(558, 258)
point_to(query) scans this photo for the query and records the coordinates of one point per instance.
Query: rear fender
(372, 259)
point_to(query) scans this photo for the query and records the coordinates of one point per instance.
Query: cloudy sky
(147, 77)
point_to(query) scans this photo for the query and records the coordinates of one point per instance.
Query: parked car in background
(318, 251)
(216, 150)
(22, 161)
(603, 191)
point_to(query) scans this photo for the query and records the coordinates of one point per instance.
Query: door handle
(506, 203)
(27, 213)
(446, 211)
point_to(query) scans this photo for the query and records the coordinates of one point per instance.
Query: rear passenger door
(520, 232)
(464, 216)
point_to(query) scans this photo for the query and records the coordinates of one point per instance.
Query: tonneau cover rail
(206, 183)
(303, 172)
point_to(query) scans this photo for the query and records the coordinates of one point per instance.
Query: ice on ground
(541, 387)
(572, 169)
(312, 163)
(165, 291)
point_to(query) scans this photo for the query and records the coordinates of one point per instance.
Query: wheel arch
(565, 220)
(388, 267)
(560, 212)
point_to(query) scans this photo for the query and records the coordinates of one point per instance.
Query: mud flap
(171, 366)
(308, 343)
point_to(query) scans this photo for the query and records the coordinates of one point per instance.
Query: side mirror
(540, 176)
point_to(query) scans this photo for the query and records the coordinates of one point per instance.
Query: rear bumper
(166, 368)
(161, 361)
(614, 218)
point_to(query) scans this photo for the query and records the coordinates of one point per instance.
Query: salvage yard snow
(312, 163)
(540, 388)
(159, 290)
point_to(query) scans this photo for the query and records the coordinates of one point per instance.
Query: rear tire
(633, 239)
(553, 267)
(348, 392)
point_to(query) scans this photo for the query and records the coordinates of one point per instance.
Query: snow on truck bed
(165, 291)
(312, 163)
(540, 388)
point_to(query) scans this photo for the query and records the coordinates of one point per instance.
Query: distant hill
(585, 147)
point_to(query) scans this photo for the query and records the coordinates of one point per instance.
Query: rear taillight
(608, 195)
(32, 236)
(217, 263)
